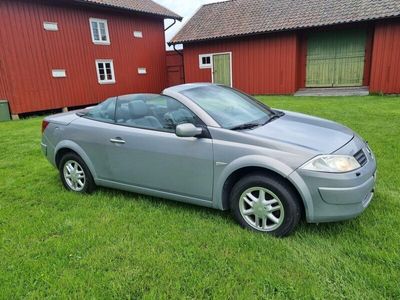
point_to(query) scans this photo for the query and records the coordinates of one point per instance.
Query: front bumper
(333, 197)
(348, 195)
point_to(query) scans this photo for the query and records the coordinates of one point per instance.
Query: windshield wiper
(275, 116)
(246, 126)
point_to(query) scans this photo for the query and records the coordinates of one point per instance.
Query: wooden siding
(368, 55)
(269, 64)
(5, 86)
(30, 53)
(260, 65)
(301, 61)
(385, 72)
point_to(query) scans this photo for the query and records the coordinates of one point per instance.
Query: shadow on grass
(156, 202)
(322, 230)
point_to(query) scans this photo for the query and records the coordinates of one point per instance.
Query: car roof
(132, 97)
(185, 87)
(176, 89)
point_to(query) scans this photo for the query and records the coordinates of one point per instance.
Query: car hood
(313, 133)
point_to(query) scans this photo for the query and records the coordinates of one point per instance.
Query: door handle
(117, 141)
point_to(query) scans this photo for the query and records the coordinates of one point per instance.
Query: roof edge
(173, 15)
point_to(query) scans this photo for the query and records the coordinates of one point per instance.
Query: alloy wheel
(74, 176)
(261, 209)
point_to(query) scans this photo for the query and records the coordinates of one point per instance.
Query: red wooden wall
(175, 68)
(385, 73)
(368, 55)
(261, 65)
(276, 63)
(29, 53)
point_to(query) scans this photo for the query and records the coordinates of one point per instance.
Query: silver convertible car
(214, 146)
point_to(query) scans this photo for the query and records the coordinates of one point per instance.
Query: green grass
(57, 244)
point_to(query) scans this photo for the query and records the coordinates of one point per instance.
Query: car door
(147, 153)
(92, 132)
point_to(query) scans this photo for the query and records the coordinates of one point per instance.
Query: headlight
(332, 164)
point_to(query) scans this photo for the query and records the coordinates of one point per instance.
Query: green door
(336, 58)
(222, 69)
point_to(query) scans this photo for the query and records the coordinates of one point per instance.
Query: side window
(99, 30)
(104, 112)
(205, 61)
(105, 71)
(155, 112)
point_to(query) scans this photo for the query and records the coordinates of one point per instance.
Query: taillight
(44, 125)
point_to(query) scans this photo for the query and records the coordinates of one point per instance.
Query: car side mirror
(188, 130)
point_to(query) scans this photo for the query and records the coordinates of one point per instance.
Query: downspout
(183, 62)
(177, 51)
(170, 25)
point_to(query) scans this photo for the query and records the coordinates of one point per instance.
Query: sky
(184, 8)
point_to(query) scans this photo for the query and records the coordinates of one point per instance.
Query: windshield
(229, 108)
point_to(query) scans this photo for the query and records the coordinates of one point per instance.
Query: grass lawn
(113, 244)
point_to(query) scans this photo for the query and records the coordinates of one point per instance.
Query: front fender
(68, 144)
(243, 162)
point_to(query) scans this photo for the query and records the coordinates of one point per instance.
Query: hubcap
(261, 209)
(74, 176)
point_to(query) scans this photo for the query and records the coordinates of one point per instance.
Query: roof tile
(243, 17)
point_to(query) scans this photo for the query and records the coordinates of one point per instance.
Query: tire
(278, 214)
(79, 179)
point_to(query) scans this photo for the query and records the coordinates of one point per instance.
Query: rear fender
(67, 144)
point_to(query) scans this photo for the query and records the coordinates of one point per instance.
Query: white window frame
(98, 21)
(50, 26)
(104, 61)
(205, 66)
(138, 34)
(59, 73)
(142, 71)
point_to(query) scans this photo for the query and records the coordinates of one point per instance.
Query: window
(99, 29)
(205, 61)
(138, 34)
(50, 26)
(104, 112)
(142, 71)
(59, 73)
(154, 112)
(105, 71)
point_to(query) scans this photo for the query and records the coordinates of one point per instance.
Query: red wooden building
(57, 53)
(279, 47)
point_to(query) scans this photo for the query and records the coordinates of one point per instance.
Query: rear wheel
(265, 204)
(75, 174)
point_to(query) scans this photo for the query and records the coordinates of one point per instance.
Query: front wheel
(75, 175)
(265, 204)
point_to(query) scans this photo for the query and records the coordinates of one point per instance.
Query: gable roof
(143, 6)
(243, 17)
